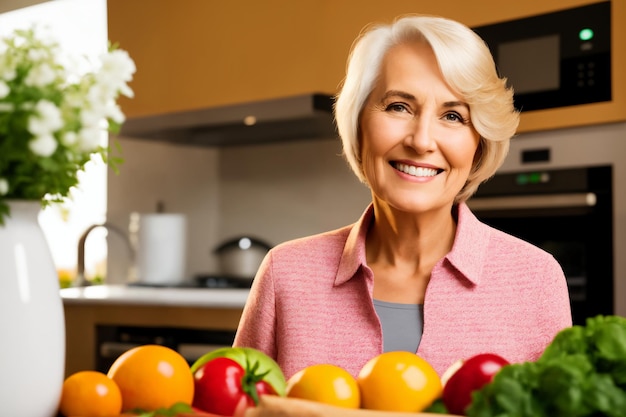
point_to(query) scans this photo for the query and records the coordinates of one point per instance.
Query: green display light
(535, 178)
(532, 178)
(522, 179)
(585, 34)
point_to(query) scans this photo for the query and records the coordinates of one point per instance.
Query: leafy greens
(581, 373)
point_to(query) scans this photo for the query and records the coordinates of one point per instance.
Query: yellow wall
(203, 53)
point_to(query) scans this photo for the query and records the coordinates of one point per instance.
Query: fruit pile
(153, 380)
(581, 373)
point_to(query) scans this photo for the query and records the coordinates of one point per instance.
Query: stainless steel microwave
(556, 59)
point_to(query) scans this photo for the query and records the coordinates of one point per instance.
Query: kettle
(240, 257)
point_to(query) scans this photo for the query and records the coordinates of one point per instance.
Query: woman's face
(417, 142)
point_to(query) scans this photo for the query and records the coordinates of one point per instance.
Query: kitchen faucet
(80, 280)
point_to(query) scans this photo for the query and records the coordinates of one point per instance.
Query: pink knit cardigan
(311, 301)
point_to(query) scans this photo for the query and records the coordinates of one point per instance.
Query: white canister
(160, 240)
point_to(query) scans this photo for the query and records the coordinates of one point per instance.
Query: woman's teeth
(416, 171)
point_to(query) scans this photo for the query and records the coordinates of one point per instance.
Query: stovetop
(202, 281)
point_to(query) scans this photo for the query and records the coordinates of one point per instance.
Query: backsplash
(283, 191)
(275, 192)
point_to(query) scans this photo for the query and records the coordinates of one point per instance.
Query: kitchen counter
(88, 308)
(137, 295)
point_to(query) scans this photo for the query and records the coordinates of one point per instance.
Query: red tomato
(224, 387)
(472, 375)
(246, 356)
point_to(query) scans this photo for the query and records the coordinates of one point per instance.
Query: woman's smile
(416, 171)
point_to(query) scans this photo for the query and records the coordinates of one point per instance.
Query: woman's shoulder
(310, 259)
(507, 243)
(498, 242)
(325, 243)
(522, 258)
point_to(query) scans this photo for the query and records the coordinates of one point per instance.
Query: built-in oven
(567, 212)
(113, 340)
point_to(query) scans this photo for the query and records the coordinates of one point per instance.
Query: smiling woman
(424, 119)
(80, 27)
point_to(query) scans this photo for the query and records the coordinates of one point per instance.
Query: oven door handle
(533, 202)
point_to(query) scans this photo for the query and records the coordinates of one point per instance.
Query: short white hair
(467, 66)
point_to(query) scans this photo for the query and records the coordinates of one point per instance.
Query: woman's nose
(420, 135)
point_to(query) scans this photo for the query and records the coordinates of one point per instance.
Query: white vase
(32, 322)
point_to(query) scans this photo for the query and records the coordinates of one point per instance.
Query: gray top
(402, 325)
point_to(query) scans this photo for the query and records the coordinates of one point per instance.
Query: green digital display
(531, 178)
(585, 34)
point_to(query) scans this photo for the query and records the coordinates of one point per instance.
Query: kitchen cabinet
(87, 308)
(11, 5)
(198, 54)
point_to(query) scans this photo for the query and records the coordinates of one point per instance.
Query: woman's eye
(397, 107)
(454, 117)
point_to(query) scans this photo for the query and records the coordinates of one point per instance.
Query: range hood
(291, 118)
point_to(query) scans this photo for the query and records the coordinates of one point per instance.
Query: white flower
(118, 65)
(6, 107)
(69, 138)
(99, 94)
(36, 55)
(114, 112)
(8, 74)
(89, 139)
(90, 117)
(117, 69)
(46, 120)
(4, 89)
(127, 91)
(43, 145)
(74, 99)
(40, 76)
(4, 186)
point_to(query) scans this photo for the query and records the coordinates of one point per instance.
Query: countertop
(135, 295)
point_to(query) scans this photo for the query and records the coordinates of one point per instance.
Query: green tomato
(249, 358)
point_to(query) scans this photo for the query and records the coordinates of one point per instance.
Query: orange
(325, 383)
(152, 377)
(90, 394)
(398, 381)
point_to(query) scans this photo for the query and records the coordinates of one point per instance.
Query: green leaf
(562, 385)
(610, 342)
(568, 341)
(437, 407)
(4, 211)
(510, 394)
(604, 396)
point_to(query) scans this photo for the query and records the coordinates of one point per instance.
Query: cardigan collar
(467, 255)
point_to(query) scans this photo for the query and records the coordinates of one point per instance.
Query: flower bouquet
(53, 114)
